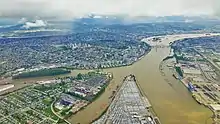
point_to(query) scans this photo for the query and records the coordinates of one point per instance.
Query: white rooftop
(192, 71)
(215, 107)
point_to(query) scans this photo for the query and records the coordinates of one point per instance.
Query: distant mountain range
(99, 19)
(23, 27)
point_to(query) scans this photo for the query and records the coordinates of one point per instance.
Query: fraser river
(171, 101)
(173, 105)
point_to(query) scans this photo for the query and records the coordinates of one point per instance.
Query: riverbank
(29, 78)
(129, 105)
(172, 103)
(150, 108)
(177, 100)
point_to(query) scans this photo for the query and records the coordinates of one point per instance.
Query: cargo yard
(129, 106)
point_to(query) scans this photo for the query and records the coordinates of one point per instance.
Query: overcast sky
(78, 8)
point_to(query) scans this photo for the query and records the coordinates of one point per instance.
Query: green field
(42, 72)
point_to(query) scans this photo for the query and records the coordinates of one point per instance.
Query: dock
(129, 106)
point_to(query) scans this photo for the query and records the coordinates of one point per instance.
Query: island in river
(170, 100)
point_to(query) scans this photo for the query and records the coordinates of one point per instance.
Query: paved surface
(128, 107)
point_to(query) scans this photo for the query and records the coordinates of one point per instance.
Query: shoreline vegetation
(66, 70)
(91, 100)
(63, 115)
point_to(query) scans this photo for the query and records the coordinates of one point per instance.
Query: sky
(80, 8)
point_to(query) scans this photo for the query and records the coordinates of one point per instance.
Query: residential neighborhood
(52, 101)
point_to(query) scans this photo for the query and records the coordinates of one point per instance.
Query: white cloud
(37, 23)
(22, 20)
(78, 8)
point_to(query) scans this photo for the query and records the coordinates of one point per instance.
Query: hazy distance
(69, 9)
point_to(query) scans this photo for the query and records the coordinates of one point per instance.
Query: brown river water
(171, 101)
